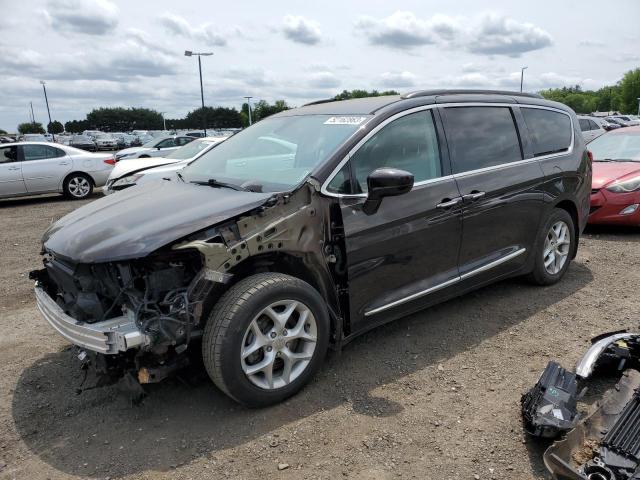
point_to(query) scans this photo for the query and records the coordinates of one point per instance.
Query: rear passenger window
(481, 137)
(550, 131)
(409, 143)
(584, 125)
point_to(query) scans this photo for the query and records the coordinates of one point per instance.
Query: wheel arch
(570, 207)
(76, 172)
(298, 266)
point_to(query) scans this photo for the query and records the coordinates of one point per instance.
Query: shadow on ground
(615, 233)
(40, 199)
(178, 423)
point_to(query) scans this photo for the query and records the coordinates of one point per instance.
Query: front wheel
(554, 248)
(78, 186)
(265, 338)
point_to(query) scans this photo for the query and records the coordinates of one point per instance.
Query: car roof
(371, 105)
(635, 130)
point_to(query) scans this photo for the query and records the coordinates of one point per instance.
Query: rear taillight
(590, 155)
(110, 161)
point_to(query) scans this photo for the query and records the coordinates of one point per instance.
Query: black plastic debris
(550, 407)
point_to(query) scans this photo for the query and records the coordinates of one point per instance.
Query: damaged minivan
(313, 226)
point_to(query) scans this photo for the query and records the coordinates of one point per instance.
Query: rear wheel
(265, 338)
(78, 186)
(554, 248)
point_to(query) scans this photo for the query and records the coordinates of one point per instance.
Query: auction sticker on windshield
(345, 120)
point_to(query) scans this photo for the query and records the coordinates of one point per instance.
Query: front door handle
(449, 202)
(63, 163)
(473, 196)
(13, 168)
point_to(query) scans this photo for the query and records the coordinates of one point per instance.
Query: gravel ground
(435, 395)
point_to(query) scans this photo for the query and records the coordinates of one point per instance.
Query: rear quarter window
(550, 131)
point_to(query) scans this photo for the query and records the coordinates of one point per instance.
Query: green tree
(346, 94)
(2, 132)
(30, 127)
(55, 127)
(630, 91)
(262, 109)
(124, 119)
(76, 126)
(215, 117)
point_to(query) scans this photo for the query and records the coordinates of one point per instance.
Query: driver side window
(409, 143)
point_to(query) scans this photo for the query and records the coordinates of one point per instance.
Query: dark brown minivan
(311, 227)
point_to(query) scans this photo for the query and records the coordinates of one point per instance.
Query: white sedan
(32, 168)
(129, 173)
(157, 147)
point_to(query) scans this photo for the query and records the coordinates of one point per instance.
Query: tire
(549, 244)
(229, 334)
(77, 186)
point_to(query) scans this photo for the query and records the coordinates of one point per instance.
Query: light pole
(164, 122)
(249, 107)
(639, 106)
(48, 111)
(522, 76)
(189, 53)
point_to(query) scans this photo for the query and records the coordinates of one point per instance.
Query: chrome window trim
(448, 283)
(421, 108)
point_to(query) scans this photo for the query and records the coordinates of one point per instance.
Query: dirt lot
(435, 395)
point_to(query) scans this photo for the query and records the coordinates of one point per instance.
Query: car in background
(616, 121)
(33, 137)
(130, 173)
(628, 120)
(615, 189)
(608, 126)
(83, 142)
(92, 133)
(6, 140)
(106, 142)
(156, 147)
(590, 128)
(32, 168)
(195, 134)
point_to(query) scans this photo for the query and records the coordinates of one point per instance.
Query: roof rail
(429, 93)
(317, 102)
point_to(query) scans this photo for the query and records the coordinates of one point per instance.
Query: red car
(615, 188)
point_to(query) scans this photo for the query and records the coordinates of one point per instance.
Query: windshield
(190, 150)
(276, 153)
(616, 147)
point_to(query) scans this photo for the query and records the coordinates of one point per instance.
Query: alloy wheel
(279, 344)
(79, 187)
(556, 247)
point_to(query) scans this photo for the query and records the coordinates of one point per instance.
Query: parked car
(615, 194)
(266, 259)
(608, 126)
(83, 142)
(92, 133)
(156, 147)
(33, 137)
(590, 128)
(6, 139)
(616, 121)
(33, 168)
(628, 120)
(130, 173)
(195, 134)
(106, 142)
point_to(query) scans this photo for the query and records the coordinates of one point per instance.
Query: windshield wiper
(212, 182)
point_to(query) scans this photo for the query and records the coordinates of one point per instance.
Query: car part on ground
(604, 445)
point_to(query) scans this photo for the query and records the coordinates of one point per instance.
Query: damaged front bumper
(107, 337)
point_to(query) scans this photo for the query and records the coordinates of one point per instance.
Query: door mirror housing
(386, 182)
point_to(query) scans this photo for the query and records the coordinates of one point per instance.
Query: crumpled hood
(606, 172)
(141, 219)
(127, 151)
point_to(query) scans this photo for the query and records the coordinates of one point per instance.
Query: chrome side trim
(107, 337)
(448, 283)
(346, 158)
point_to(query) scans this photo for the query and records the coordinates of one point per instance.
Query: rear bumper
(108, 337)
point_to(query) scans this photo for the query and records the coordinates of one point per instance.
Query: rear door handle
(449, 203)
(13, 168)
(473, 196)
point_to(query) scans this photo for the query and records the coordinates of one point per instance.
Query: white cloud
(206, 33)
(397, 79)
(489, 34)
(92, 17)
(324, 80)
(301, 30)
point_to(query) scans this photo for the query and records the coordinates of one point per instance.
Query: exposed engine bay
(603, 444)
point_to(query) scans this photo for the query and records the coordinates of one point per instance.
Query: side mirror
(385, 182)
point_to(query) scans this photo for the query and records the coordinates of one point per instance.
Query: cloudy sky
(97, 53)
